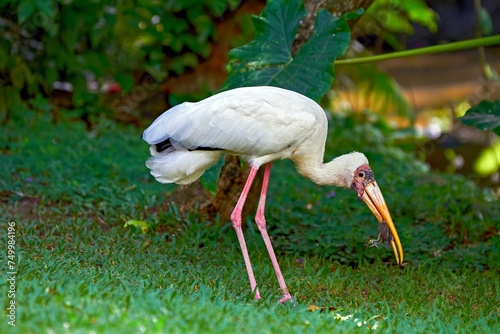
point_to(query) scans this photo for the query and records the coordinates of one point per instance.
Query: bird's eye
(361, 174)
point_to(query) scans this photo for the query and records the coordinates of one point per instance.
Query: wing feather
(253, 121)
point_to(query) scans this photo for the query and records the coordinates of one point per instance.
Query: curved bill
(372, 196)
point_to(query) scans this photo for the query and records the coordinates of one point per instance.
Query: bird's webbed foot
(287, 298)
(257, 294)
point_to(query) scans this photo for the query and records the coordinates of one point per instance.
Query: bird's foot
(287, 297)
(257, 294)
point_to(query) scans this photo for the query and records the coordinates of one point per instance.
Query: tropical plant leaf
(267, 60)
(484, 116)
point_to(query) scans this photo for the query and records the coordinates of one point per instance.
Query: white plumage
(259, 124)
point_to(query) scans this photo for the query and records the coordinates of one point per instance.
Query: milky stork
(260, 125)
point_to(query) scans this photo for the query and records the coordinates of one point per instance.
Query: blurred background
(130, 61)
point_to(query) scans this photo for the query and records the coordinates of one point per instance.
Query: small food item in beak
(385, 233)
(368, 191)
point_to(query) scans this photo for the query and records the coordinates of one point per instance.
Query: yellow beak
(372, 196)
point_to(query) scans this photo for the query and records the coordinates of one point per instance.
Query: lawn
(69, 190)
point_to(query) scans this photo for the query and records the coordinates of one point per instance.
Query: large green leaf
(267, 60)
(257, 62)
(484, 116)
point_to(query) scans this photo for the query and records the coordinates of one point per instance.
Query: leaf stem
(472, 43)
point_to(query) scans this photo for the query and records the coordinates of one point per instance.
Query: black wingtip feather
(162, 146)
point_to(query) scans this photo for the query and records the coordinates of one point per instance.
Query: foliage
(395, 16)
(47, 44)
(70, 192)
(365, 86)
(267, 60)
(488, 162)
(484, 116)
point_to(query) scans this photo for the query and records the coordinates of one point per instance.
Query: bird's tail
(180, 166)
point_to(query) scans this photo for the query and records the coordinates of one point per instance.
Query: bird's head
(358, 175)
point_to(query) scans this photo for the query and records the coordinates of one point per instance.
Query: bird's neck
(330, 173)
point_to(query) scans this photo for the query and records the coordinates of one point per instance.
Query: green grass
(70, 191)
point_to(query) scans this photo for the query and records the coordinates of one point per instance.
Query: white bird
(259, 124)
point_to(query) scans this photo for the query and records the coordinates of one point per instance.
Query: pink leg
(261, 223)
(236, 219)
